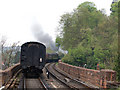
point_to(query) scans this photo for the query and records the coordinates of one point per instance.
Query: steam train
(52, 57)
(32, 58)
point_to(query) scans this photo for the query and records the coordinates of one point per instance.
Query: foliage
(75, 25)
(10, 55)
(58, 41)
(90, 37)
(114, 8)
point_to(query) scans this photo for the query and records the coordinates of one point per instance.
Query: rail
(56, 77)
(12, 81)
(34, 83)
(42, 83)
(7, 74)
(70, 83)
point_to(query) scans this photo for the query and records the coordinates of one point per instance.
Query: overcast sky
(18, 16)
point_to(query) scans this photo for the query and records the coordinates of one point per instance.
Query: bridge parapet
(96, 77)
(108, 76)
(6, 74)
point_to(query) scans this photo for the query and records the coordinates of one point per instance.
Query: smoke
(43, 37)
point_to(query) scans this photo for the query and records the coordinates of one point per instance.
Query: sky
(17, 17)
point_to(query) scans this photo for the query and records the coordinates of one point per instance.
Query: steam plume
(43, 37)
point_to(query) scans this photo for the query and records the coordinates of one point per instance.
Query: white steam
(43, 37)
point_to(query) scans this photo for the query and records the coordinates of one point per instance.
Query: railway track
(14, 81)
(19, 82)
(69, 82)
(40, 83)
(34, 83)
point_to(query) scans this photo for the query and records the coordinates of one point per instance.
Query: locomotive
(32, 58)
(52, 57)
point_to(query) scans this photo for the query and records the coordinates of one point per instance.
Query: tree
(2, 44)
(9, 54)
(58, 41)
(74, 24)
(114, 8)
(90, 37)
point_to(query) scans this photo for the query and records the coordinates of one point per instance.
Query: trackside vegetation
(90, 37)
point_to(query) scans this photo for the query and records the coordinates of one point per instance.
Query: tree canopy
(90, 36)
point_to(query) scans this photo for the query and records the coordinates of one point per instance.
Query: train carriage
(33, 58)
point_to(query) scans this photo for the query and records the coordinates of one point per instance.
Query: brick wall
(96, 77)
(5, 75)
